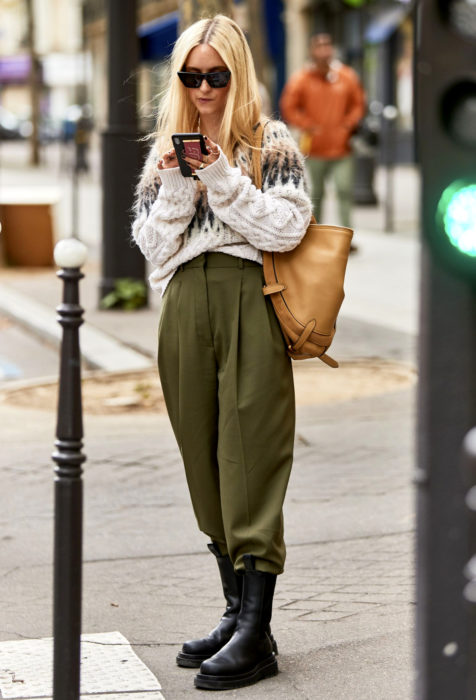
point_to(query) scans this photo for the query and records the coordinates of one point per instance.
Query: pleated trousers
(228, 387)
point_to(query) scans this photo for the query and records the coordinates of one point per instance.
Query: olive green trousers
(228, 386)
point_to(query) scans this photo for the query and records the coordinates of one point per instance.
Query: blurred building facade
(70, 40)
(57, 36)
(375, 37)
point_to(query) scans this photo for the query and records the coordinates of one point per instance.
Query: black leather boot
(197, 650)
(248, 656)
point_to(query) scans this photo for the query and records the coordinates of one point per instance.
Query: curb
(98, 349)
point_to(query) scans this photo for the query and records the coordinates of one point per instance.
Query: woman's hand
(213, 153)
(168, 160)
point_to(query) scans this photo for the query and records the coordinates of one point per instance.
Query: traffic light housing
(445, 72)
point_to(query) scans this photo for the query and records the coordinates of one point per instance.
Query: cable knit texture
(178, 218)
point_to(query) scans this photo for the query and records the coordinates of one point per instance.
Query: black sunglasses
(215, 80)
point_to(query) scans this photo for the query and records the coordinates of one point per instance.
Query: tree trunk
(193, 10)
(34, 81)
(256, 31)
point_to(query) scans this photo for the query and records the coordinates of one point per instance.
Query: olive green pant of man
(228, 387)
(342, 171)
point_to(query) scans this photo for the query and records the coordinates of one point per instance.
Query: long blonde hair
(243, 107)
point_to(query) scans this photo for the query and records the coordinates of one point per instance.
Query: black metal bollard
(469, 467)
(70, 255)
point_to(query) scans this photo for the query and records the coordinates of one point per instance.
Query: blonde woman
(226, 377)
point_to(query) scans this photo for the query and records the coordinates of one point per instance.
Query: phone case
(191, 146)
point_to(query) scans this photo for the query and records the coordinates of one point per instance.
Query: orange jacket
(328, 108)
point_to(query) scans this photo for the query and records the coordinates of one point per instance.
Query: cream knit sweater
(178, 218)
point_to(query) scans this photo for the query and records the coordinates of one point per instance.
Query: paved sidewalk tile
(344, 607)
(108, 666)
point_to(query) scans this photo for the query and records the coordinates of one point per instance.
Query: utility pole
(193, 10)
(257, 39)
(446, 147)
(122, 150)
(34, 81)
(469, 475)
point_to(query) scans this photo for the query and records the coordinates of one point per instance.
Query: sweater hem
(245, 252)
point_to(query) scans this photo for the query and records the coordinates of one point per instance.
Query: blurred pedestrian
(325, 100)
(225, 374)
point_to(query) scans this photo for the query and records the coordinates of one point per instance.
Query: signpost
(122, 149)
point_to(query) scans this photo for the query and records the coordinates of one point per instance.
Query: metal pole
(446, 411)
(74, 200)
(469, 467)
(70, 254)
(193, 10)
(34, 81)
(122, 150)
(389, 115)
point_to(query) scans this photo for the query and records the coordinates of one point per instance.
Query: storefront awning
(383, 25)
(158, 37)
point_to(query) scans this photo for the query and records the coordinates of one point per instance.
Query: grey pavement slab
(382, 282)
(344, 606)
(109, 667)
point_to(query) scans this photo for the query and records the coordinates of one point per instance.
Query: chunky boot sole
(190, 660)
(265, 669)
(195, 660)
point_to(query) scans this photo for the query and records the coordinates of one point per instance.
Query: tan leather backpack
(306, 284)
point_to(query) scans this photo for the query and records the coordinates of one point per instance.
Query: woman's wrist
(213, 175)
(173, 180)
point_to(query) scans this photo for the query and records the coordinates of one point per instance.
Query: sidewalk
(381, 293)
(343, 616)
(381, 282)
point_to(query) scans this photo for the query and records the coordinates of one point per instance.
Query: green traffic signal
(456, 214)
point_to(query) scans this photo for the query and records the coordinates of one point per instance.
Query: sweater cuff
(173, 180)
(213, 175)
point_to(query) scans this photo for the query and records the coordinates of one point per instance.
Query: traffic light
(446, 130)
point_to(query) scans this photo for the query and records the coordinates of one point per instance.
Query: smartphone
(191, 146)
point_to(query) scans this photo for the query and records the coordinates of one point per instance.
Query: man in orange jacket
(326, 102)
